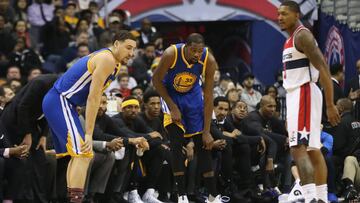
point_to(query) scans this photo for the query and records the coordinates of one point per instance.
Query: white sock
(309, 192)
(322, 192)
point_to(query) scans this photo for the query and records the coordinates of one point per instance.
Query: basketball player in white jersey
(303, 64)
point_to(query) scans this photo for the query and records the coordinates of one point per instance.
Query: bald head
(344, 105)
(267, 106)
(266, 100)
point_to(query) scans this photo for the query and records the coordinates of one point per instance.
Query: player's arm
(211, 66)
(305, 42)
(104, 66)
(165, 63)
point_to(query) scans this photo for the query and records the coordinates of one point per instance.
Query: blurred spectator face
(9, 94)
(4, 4)
(240, 110)
(217, 77)
(358, 66)
(268, 107)
(150, 52)
(152, 107)
(20, 26)
(83, 51)
(123, 70)
(103, 105)
(221, 110)
(57, 3)
(124, 82)
(131, 111)
(114, 24)
(15, 85)
(2, 21)
(224, 83)
(59, 12)
(82, 38)
(272, 92)
(248, 82)
(146, 25)
(70, 10)
(83, 26)
(13, 73)
(20, 44)
(34, 73)
(21, 4)
(138, 93)
(233, 95)
(93, 7)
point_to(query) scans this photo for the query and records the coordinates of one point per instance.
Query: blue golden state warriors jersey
(75, 83)
(182, 77)
(183, 86)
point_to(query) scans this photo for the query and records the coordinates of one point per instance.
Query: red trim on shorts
(305, 108)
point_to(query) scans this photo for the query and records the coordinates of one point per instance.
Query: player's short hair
(148, 94)
(219, 99)
(123, 35)
(195, 38)
(292, 5)
(336, 68)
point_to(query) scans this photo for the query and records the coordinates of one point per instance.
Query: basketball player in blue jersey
(304, 64)
(187, 113)
(83, 84)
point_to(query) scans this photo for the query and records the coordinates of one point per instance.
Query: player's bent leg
(306, 171)
(320, 174)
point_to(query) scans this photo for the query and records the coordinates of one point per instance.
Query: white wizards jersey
(297, 68)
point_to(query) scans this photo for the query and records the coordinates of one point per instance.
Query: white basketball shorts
(304, 111)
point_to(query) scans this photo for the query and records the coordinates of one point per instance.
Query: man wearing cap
(250, 96)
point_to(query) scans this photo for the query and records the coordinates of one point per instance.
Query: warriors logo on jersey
(184, 81)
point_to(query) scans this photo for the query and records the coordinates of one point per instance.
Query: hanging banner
(339, 44)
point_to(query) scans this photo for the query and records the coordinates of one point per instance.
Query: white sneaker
(217, 199)
(183, 199)
(149, 197)
(134, 197)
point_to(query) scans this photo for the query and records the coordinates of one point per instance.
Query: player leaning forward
(83, 84)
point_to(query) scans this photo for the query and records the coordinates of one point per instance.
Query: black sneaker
(350, 193)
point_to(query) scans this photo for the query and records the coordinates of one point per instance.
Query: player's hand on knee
(208, 141)
(333, 115)
(87, 146)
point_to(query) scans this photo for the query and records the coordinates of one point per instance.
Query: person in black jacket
(354, 90)
(223, 129)
(345, 134)
(337, 77)
(129, 116)
(264, 123)
(25, 125)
